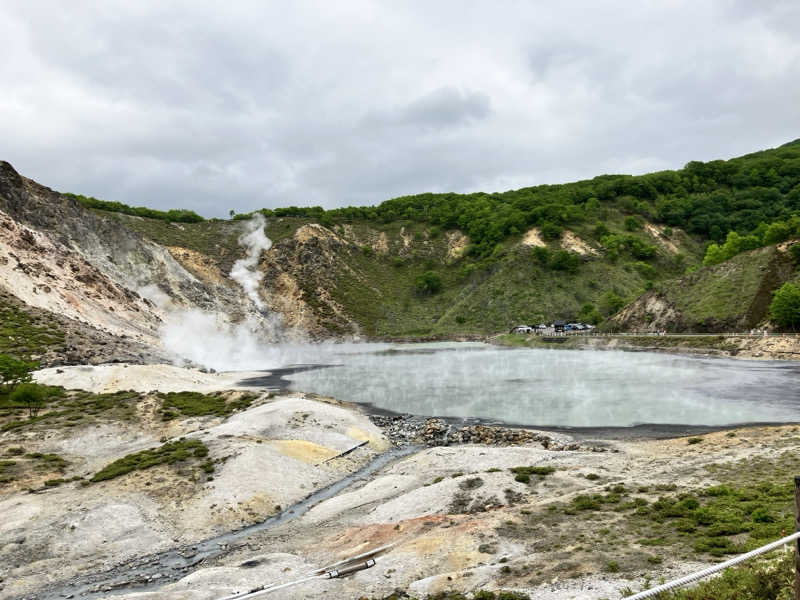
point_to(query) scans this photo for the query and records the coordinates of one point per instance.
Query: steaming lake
(569, 388)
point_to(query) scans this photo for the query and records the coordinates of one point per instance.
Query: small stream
(155, 570)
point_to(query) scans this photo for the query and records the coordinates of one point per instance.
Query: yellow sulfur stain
(303, 450)
(363, 436)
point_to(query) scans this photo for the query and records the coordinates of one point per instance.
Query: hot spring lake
(561, 388)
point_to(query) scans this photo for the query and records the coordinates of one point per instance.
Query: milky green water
(556, 387)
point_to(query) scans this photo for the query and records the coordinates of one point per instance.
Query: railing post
(797, 541)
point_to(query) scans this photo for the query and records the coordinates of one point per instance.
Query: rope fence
(676, 583)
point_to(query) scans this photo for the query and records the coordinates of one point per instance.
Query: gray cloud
(256, 104)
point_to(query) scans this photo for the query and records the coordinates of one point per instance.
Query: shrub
(601, 231)
(428, 283)
(523, 474)
(785, 307)
(611, 303)
(563, 260)
(632, 223)
(173, 215)
(646, 270)
(169, 453)
(14, 371)
(551, 231)
(196, 404)
(30, 395)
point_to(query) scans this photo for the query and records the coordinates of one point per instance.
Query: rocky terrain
(470, 508)
(150, 479)
(99, 279)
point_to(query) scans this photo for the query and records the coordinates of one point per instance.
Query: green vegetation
(25, 332)
(169, 453)
(174, 216)
(195, 404)
(764, 235)
(397, 274)
(67, 408)
(751, 509)
(216, 239)
(428, 283)
(30, 395)
(707, 199)
(33, 466)
(729, 296)
(478, 595)
(785, 306)
(770, 579)
(523, 474)
(14, 372)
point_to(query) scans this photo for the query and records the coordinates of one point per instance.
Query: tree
(428, 283)
(632, 224)
(714, 255)
(14, 371)
(551, 231)
(563, 260)
(589, 314)
(31, 395)
(777, 232)
(785, 307)
(611, 303)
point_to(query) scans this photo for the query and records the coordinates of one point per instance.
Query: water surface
(569, 388)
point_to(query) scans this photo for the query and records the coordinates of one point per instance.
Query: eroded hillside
(732, 296)
(360, 278)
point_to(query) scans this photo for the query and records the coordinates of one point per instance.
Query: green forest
(755, 197)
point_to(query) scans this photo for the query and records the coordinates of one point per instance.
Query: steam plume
(211, 338)
(245, 270)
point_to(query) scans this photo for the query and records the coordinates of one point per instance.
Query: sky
(218, 106)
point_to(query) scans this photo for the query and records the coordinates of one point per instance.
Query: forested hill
(458, 263)
(706, 199)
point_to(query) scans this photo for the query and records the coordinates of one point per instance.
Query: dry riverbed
(579, 519)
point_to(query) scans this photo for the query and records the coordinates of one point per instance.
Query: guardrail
(676, 583)
(656, 334)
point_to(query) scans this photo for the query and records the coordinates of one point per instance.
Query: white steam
(245, 270)
(210, 338)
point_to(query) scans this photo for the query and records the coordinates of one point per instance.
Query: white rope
(715, 569)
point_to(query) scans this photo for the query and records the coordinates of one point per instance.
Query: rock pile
(402, 429)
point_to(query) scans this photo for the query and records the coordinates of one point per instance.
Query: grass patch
(72, 408)
(718, 520)
(48, 462)
(169, 453)
(196, 404)
(25, 332)
(770, 579)
(523, 474)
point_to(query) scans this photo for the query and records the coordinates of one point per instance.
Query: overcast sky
(248, 104)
